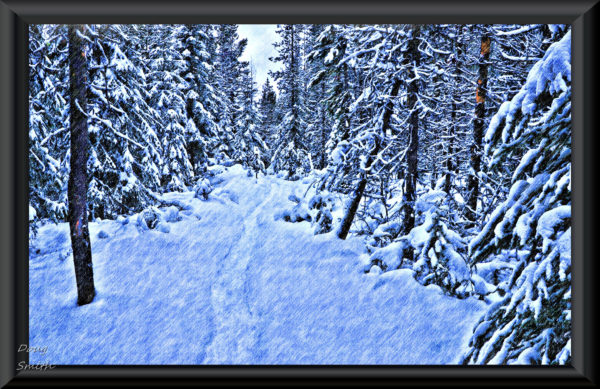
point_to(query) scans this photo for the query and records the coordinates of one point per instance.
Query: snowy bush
(440, 255)
(380, 216)
(122, 219)
(435, 253)
(317, 210)
(321, 204)
(202, 189)
(175, 185)
(297, 213)
(149, 218)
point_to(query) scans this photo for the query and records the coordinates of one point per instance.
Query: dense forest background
(447, 147)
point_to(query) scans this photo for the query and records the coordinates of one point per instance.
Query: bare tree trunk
(77, 188)
(412, 156)
(473, 180)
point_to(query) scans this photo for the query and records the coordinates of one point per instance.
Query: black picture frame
(16, 15)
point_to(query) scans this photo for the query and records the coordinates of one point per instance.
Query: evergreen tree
(531, 321)
(330, 49)
(124, 146)
(318, 122)
(201, 129)
(291, 150)
(230, 48)
(267, 109)
(48, 121)
(249, 146)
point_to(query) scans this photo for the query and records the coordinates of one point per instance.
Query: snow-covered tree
(319, 123)
(290, 151)
(440, 254)
(268, 114)
(48, 121)
(228, 73)
(249, 146)
(124, 148)
(478, 126)
(201, 129)
(531, 320)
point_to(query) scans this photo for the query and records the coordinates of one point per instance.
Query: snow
(228, 284)
(550, 219)
(548, 222)
(32, 213)
(520, 30)
(554, 71)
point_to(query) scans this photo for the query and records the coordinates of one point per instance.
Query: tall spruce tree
(291, 149)
(267, 109)
(228, 66)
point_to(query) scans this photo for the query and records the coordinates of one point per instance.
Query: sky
(260, 47)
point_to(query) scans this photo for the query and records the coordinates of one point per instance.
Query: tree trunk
(451, 163)
(362, 184)
(473, 180)
(77, 188)
(322, 154)
(358, 193)
(412, 156)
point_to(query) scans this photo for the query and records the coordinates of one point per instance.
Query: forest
(378, 171)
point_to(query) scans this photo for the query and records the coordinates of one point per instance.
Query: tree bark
(480, 95)
(358, 194)
(451, 164)
(77, 187)
(322, 154)
(412, 156)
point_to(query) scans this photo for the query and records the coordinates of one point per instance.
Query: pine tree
(291, 150)
(330, 50)
(168, 89)
(318, 128)
(531, 322)
(124, 148)
(249, 146)
(201, 129)
(230, 48)
(48, 121)
(267, 108)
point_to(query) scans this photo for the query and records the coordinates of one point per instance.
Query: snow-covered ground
(224, 282)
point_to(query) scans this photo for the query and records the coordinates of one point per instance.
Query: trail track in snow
(237, 324)
(230, 285)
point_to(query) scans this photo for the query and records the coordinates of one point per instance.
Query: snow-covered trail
(237, 323)
(230, 285)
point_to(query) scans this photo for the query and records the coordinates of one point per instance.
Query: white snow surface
(229, 284)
